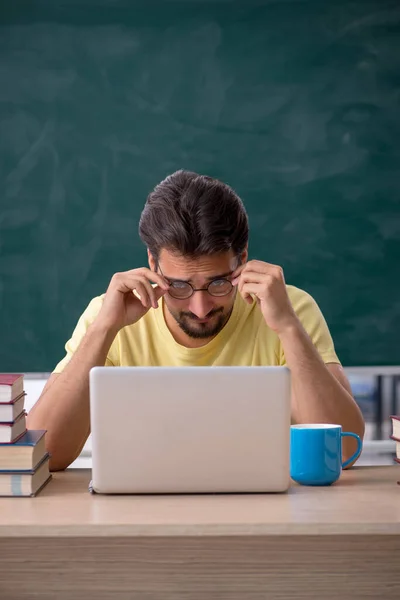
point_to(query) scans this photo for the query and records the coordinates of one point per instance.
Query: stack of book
(24, 462)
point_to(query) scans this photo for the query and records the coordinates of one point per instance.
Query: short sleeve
(86, 319)
(314, 323)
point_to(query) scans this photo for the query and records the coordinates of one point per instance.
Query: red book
(11, 386)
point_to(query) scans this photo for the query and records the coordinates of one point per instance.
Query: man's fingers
(249, 289)
(154, 292)
(249, 277)
(159, 292)
(141, 290)
(257, 266)
(140, 274)
(155, 277)
(140, 280)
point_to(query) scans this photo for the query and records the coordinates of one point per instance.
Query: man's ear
(244, 256)
(152, 261)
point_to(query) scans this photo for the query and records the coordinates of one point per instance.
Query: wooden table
(335, 542)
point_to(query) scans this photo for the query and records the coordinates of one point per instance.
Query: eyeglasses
(182, 290)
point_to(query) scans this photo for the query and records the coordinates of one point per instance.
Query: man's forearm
(317, 396)
(63, 408)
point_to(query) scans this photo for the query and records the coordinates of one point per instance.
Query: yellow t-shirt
(246, 340)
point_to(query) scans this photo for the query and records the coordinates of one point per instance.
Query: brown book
(12, 432)
(9, 411)
(25, 454)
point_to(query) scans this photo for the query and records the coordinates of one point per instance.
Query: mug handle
(357, 452)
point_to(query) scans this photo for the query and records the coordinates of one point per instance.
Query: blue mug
(316, 453)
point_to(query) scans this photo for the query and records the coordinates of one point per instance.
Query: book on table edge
(25, 453)
(23, 484)
(11, 386)
(10, 410)
(10, 433)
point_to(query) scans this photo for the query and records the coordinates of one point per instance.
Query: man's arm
(320, 393)
(63, 407)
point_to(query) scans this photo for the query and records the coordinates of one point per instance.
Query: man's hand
(121, 306)
(267, 283)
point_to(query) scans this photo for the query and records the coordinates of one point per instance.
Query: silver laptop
(190, 429)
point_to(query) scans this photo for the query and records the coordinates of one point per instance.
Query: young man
(200, 302)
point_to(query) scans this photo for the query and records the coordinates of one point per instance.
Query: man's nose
(200, 304)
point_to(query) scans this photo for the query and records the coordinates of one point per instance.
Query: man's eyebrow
(222, 276)
(212, 278)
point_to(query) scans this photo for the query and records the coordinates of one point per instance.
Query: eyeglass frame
(200, 289)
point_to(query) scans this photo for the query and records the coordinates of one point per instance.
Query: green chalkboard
(295, 104)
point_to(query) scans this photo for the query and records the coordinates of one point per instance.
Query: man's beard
(188, 322)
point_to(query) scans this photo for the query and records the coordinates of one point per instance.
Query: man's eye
(219, 282)
(179, 285)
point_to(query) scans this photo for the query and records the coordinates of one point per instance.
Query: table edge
(212, 530)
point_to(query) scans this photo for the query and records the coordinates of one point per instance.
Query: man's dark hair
(193, 215)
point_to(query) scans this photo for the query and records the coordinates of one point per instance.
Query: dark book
(25, 483)
(25, 453)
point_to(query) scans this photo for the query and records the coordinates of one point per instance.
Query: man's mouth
(206, 319)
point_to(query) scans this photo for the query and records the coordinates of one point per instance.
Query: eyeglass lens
(182, 290)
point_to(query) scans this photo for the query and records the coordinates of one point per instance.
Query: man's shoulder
(306, 307)
(298, 296)
(94, 306)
